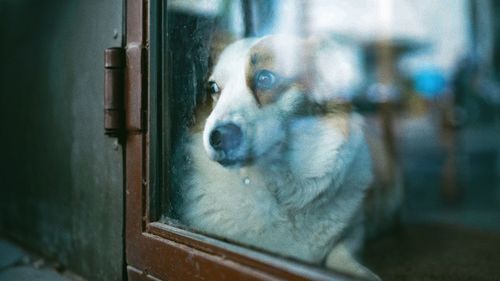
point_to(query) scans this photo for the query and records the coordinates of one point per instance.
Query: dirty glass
(357, 136)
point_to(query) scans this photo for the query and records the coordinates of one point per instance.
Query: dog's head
(258, 86)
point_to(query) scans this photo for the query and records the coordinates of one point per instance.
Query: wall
(61, 190)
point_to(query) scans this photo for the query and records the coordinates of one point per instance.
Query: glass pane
(360, 136)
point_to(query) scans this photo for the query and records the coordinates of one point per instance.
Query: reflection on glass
(306, 128)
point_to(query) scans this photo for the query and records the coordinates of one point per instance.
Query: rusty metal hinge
(114, 66)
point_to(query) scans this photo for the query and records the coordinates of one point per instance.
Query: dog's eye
(213, 88)
(265, 80)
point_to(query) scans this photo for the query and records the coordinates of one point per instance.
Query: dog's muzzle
(226, 140)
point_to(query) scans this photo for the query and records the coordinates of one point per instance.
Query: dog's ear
(219, 41)
(336, 68)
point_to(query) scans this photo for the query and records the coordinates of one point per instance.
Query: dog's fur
(299, 179)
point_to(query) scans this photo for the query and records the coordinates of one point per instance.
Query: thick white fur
(303, 199)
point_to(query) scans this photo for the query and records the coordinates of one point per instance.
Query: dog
(273, 165)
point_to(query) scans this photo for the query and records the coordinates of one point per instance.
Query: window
(311, 139)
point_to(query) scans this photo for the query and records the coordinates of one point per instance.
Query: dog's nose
(226, 137)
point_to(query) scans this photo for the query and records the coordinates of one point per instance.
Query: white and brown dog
(274, 167)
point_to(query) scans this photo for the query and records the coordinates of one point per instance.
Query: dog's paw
(341, 259)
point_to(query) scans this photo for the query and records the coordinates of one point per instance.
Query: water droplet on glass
(246, 181)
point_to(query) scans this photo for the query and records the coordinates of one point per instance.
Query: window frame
(158, 251)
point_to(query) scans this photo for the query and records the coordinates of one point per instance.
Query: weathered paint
(62, 180)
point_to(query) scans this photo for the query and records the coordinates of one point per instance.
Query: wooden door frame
(157, 251)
